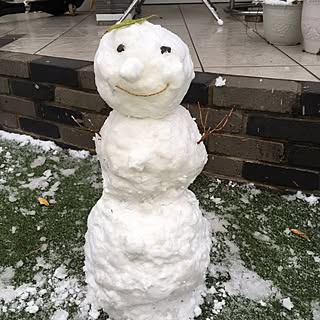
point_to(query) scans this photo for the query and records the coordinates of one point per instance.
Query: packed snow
(48, 291)
(281, 2)
(220, 82)
(157, 240)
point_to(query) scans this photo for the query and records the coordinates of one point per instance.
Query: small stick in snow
(219, 127)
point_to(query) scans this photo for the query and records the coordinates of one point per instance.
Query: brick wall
(272, 137)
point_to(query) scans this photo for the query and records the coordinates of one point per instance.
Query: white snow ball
(60, 272)
(287, 303)
(60, 315)
(146, 157)
(197, 311)
(32, 308)
(220, 82)
(143, 70)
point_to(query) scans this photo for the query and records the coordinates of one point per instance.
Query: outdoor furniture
(245, 8)
(111, 11)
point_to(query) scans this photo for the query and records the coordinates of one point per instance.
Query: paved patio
(236, 48)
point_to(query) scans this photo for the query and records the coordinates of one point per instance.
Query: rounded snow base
(147, 260)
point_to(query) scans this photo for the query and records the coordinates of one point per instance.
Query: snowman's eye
(165, 49)
(120, 48)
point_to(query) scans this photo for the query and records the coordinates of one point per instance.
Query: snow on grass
(23, 140)
(50, 291)
(255, 265)
(315, 305)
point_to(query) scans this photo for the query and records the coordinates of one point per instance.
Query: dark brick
(39, 127)
(15, 64)
(8, 120)
(87, 78)
(80, 99)
(281, 176)
(93, 121)
(30, 89)
(199, 88)
(60, 115)
(256, 94)
(225, 166)
(234, 124)
(284, 128)
(246, 148)
(4, 85)
(310, 99)
(77, 137)
(17, 105)
(304, 156)
(57, 70)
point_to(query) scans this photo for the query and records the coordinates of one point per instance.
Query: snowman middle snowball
(147, 245)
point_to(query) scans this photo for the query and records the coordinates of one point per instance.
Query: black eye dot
(165, 49)
(120, 48)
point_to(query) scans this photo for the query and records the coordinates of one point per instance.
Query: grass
(254, 222)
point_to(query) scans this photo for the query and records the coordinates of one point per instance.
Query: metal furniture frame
(244, 8)
(137, 4)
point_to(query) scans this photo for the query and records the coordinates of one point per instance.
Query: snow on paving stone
(220, 82)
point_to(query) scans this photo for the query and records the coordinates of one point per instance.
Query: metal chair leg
(133, 4)
(213, 11)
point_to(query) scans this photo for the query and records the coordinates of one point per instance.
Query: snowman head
(143, 70)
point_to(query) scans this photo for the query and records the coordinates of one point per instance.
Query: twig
(85, 128)
(34, 251)
(219, 127)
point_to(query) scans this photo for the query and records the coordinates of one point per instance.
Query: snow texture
(24, 140)
(281, 2)
(287, 303)
(315, 310)
(147, 245)
(220, 82)
(60, 315)
(243, 282)
(48, 290)
(143, 69)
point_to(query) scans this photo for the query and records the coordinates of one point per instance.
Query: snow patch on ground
(52, 290)
(287, 303)
(39, 161)
(82, 154)
(242, 281)
(315, 307)
(311, 200)
(23, 140)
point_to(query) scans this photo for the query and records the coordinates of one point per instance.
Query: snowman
(147, 245)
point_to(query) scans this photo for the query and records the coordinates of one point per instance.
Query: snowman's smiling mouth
(144, 95)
